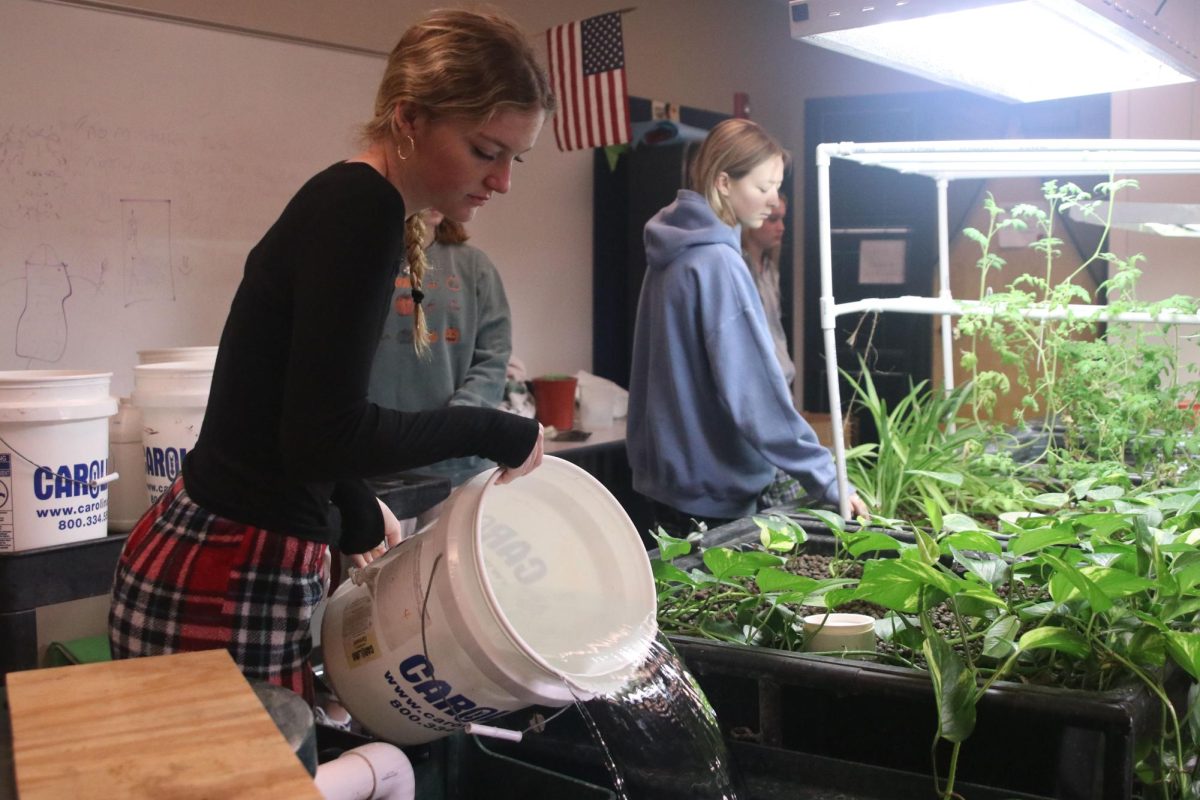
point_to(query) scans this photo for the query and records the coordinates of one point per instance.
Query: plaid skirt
(190, 580)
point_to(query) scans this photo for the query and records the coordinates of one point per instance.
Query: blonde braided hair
(414, 255)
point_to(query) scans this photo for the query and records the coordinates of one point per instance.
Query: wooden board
(179, 726)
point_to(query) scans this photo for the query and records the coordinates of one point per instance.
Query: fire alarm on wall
(741, 105)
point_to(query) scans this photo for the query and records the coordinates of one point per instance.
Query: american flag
(587, 68)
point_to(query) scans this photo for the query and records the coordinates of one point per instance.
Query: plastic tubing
(374, 771)
(475, 729)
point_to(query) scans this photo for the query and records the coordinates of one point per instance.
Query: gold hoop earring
(412, 148)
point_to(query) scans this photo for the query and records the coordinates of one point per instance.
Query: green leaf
(832, 520)
(1060, 639)
(1106, 493)
(960, 523)
(1117, 582)
(1103, 523)
(928, 548)
(954, 690)
(723, 630)
(857, 544)
(897, 584)
(992, 570)
(980, 594)
(725, 563)
(1068, 582)
(773, 579)
(1041, 538)
(1051, 500)
(779, 534)
(1081, 488)
(1035, 611)
(976, 540)
(669, 573)
(1186, 570)
(950, 478)
(1185, 651)
(1179, 609)
(976, 236)
(669, 547)
(1000, 638)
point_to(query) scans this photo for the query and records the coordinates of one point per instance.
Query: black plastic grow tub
(766, 772)
(1043, 741)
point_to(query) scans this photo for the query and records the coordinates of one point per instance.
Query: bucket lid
(839, 624)
(161, 355)
(54, 395)
(172, 383)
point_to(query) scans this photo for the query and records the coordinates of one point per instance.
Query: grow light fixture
(1163, 219)
(1017, 50)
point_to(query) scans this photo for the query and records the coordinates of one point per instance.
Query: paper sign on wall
(881, 260)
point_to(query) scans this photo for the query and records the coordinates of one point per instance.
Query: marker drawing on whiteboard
(147, 250)
(42, 325)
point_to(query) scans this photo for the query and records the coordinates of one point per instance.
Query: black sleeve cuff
(362, 521)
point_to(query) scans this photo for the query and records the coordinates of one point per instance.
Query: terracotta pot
(555, 396)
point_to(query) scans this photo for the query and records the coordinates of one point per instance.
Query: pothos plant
(1096, 590)
(1120, 391)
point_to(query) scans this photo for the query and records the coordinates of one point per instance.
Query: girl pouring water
(231, 555)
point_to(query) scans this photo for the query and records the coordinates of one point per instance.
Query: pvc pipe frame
(1179, 158)
(374, 771)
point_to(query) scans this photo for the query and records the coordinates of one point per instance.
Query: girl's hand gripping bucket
(533, 592)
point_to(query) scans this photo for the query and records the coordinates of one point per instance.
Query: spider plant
(924, 464)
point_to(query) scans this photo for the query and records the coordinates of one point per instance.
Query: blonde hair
(733, 147)
(450, 232)
(460, 64)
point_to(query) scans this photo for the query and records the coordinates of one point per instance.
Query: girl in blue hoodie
(710, 413)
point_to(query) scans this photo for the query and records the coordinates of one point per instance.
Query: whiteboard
(140, 160)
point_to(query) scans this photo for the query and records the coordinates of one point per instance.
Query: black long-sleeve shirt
(288, 428)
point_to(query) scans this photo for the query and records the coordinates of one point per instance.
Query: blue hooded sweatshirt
(710, 414)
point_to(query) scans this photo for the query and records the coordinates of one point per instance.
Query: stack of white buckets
(62, 436)
(156, 426)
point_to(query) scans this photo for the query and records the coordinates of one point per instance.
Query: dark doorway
(625, 195)
(885, 226)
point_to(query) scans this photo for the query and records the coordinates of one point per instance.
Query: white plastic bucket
(172, 397)
(54, 427)
(534, 592)
(127, 499)
(162, 355)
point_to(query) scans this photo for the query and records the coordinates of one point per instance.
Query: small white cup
(597, 404)
(825, 633)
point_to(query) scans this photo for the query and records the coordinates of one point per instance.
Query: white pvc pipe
(828, 321)
(507, 734)
(912, 304)
(943, 214)
(374, 771)
(1000, 158)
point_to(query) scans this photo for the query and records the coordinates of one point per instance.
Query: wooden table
(179, 726)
